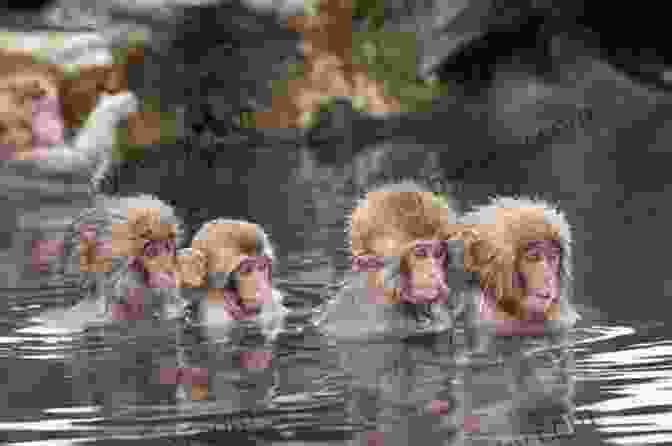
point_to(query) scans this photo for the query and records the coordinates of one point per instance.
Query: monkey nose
(543, 295)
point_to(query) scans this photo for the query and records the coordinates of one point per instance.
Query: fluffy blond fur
(114, 218)
(405, 205)
(222, 241)
(499, 230)
(413, 212)
(218, 246)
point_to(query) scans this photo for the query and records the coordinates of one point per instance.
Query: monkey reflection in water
(529, 397)
(411, 276)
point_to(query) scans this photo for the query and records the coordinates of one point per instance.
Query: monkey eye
(155, 248)
(534, 256)
(440, 250)
(260, 263)
(246, 267)
(421, 251)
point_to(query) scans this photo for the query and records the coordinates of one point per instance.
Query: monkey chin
(505, 324)
(217, 324)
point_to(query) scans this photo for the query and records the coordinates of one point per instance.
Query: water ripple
(637, 384)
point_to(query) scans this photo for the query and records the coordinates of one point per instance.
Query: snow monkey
(521, 250)
(401, 239)
(124, 252)
(228, 272)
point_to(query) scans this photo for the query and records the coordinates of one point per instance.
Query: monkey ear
(87, 254)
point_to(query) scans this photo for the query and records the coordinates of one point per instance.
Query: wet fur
(210, 246)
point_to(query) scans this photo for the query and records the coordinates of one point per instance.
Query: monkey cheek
(256, 291)
(537, 307)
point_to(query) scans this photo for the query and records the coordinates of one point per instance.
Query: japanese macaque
(39, 103)
(521, 249)
(400, 238)
(228, 273)
(124, 252)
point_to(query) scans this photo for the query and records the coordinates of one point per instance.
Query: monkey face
(539, 277)
(243, 291)
(48, 127)
(159, 261)
(420, 272)
(423, 276)
(159, 255)
(253, 281)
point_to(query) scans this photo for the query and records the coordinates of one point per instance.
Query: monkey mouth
(416, 295)
(162, 280)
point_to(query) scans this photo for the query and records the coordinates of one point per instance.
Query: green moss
(247, 120)
(441, 200)
(295, 70)
(124, 150)
(371, 10)
(311, 7)
(120, 54)
(391, 57)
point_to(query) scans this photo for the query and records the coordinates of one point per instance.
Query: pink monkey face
(254, 281)
(539, 276)
(48, 127)
(159, 262)
(425, 279)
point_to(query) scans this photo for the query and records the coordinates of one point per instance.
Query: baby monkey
(123, 250)
(227, 274)
(521, 250)
(401, 237)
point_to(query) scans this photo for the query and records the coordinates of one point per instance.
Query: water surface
(609, 383)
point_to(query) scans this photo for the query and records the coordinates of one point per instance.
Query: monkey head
(146, 231)
(395, 237)
(233, 259)
(521, 250)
